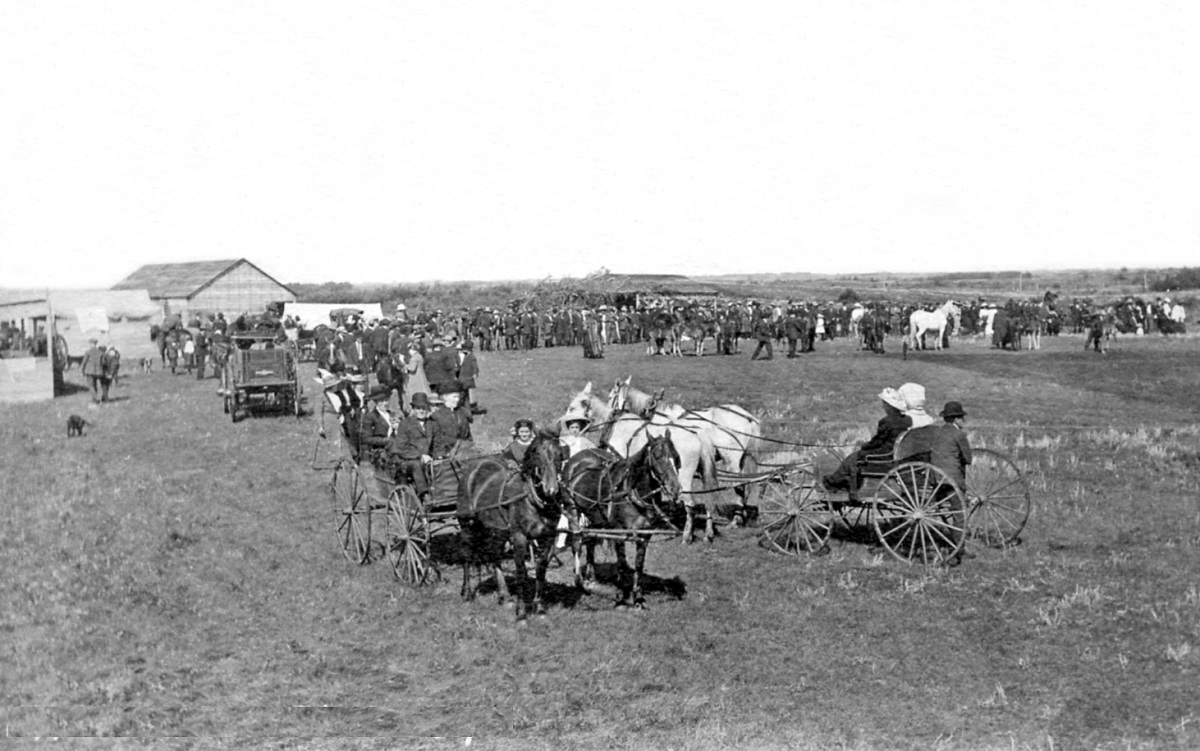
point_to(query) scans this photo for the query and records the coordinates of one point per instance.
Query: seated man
(949, 449)
(411, 446)
(877, 451)
(452, 423)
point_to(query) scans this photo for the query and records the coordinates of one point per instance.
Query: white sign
(92, 319)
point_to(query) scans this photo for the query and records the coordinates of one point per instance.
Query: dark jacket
(93, 362)
(468, 369)
(449, 427)
(441, 367)
(891, 427)
(412, 439)
(375, 428)
(951, 452)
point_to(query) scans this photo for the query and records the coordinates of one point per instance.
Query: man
(202, 345)
(452, 425)
(764, 332)
(793, 330)
(411, 446)
(441, 366)
(93, 369)
(468, 371)
(950, 451)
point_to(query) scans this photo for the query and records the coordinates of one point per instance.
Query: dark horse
(497, 498)
(624, 496)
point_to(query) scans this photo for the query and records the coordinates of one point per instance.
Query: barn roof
(183, 279)
(661, 284)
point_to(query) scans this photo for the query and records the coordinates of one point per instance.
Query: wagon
(909, 506)
(375, 516)
(260, 375)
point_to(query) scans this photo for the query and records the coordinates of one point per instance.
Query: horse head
(542, 463)
(661, 461)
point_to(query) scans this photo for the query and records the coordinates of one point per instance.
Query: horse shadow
(446, 552)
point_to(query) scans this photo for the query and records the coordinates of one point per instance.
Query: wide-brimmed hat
(574, 416)
(420, 400)
(913, 395)
(892, 396)
(467, 344)
(380, 393)
(952, 410)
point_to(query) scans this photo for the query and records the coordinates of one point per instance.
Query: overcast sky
(406, 141)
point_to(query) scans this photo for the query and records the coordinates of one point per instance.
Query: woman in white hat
(848, 476)
(913, 395)
(572, 426)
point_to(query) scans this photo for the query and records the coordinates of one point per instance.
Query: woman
(522, 433)
(878, 450)
(414, 366)
(571, 433)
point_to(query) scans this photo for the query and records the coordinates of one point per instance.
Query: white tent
(312, 313)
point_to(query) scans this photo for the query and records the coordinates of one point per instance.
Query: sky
(395, 141)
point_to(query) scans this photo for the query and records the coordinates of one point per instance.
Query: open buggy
(261, 375)
(377, 514)
(909, 506)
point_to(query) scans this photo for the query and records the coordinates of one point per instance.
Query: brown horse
(498, 498)
(632, 495)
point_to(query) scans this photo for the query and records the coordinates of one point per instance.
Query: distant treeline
(1186, 278)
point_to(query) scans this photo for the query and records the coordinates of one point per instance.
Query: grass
(173, 575)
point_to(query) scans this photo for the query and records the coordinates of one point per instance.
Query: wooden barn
(230, 287)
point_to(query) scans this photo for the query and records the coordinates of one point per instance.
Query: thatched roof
(182, 280)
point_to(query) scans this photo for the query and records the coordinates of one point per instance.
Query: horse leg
(539, 584)
(710, 532)
(520, 545)
(623, 591)
(689, 524)
(639, 565)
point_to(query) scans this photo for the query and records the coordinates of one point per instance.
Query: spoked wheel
(998, 499)
(408, 539)
(351, 512)
(919, 515)
(794, 514)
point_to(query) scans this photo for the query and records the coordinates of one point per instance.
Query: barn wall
(243, 290)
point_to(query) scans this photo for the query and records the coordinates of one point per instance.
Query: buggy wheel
(225, 400)
(794, 514)
(998, 499)
(919, 514)
(351, 512)
(408, 538)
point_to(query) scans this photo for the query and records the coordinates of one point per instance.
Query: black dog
(74, 360)
(75, 425)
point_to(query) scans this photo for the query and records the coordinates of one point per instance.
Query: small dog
(145, 364)
(74, 360)
(75, 426)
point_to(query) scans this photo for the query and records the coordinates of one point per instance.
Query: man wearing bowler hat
(950, 450)
(411, 446)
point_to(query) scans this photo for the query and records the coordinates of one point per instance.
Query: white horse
(730, 430)
(625, 434)
(932, 321)
(856, 316)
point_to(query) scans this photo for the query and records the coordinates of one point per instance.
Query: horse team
(626, 492)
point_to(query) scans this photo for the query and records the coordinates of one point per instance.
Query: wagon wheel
(919, 514)
(408, 538)
(225, 403)
(233, 406)
(998, 499)
(794, 513)
(351, 512)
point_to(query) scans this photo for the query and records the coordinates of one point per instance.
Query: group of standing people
(101, 366)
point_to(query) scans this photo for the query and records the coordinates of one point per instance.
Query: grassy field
(174, 576)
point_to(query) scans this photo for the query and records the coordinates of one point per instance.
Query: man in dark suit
(441, 366)
(468, 371)
(411, 446)
(93, 368)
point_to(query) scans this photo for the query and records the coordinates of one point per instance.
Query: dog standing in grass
(75, 426)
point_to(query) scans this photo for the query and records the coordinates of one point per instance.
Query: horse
(732, 430)
(621, 494)
(662, 334)
(494, 497)
(922, 322)
(698, 327)
(626, 434)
